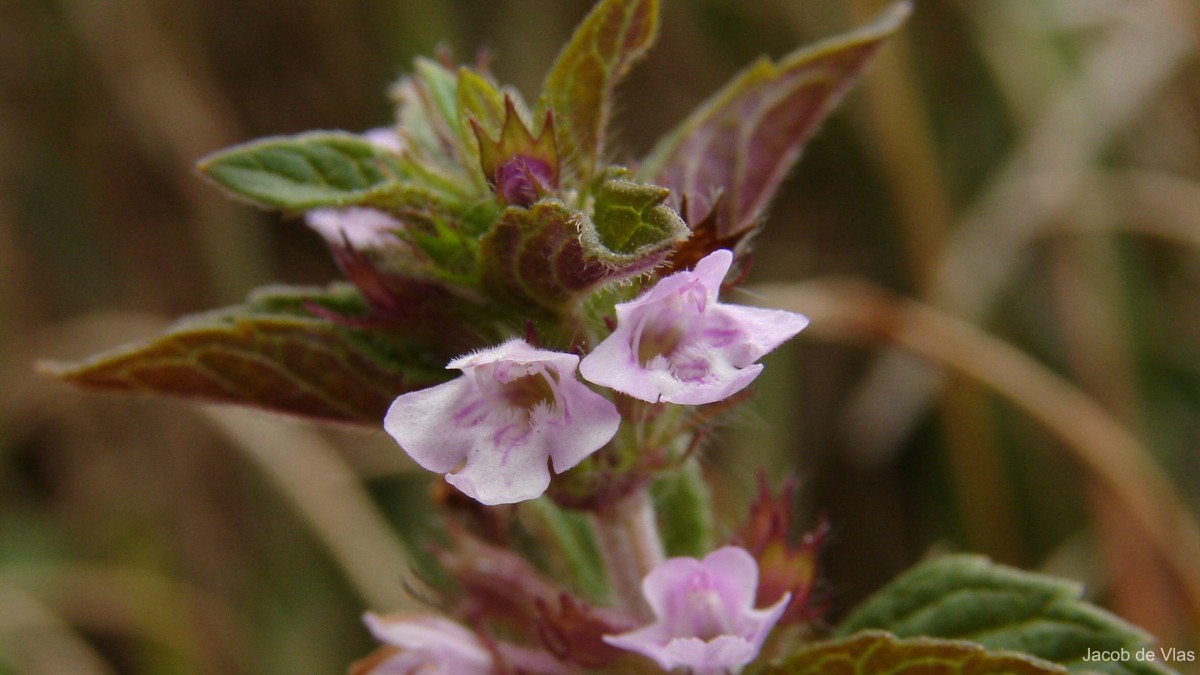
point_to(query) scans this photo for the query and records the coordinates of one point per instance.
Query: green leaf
(270, 353)
(876, 652)
(741, 142)
(478, 99)
(632, 222)
(573, 542)
(442, 87)
(968, 597)
(302, 172)
(614, 36)
(684, 503)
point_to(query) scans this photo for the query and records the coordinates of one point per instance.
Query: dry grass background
(1023, 176)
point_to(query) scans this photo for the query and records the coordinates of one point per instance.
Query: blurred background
(1027, 170)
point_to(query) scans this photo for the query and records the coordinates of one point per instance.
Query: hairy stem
(627, 532)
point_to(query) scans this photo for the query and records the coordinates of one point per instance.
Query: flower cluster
(516, 408)
(518, 412)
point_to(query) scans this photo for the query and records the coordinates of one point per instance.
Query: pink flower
(676, 343)
(365, 228)
(427, 644)
(705, 611)
(493, 430)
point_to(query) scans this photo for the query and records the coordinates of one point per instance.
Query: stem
(627, 532)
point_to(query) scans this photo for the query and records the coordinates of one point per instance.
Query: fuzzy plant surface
(548, 330)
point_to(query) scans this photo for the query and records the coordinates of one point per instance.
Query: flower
(706, 620)
(493, 429)
(424, 644)
(677, 344)
(363, 228)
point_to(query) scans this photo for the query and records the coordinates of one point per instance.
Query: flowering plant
(580, 304)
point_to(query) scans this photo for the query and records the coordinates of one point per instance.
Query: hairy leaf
(968, 597)
(876, 652)
(579, 88)
(632, 220)
(478, 99)
(270, 353)
(549, 255)
(303, 172)
(741, 143)
(683, 501)
(534, 255)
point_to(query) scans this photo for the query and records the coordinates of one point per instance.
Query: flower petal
(589, 421)
(738, 569)
(758, 331)
(496, 474)
(613, 364)
(364, 228)
(437, 426)
(711, 270)
(429, 644)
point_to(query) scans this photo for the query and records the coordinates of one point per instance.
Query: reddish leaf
(741, 143)
(579, 87)
(550, 256)
(282, 362)
(534, 255)
(874, 652)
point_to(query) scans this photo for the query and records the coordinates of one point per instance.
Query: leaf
(874, 652)
(534, 255)
(632, 221)
(573, 544)
(549, 255)
(968, 597)
(579, 88)
(478, 99)
(297, 173)
(441, 85)
(683, 501)
(270, 353)
(741, 143)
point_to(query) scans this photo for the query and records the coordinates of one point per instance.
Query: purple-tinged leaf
(269, 354)
(579, 88)
(534, 256)
(739, 145)
(874, 652)
(549, 255)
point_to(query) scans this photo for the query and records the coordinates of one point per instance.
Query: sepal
(519, 166)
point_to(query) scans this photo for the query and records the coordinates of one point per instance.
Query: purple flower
(493, 430)
(427, 644)
(677, 344)
(705, 611)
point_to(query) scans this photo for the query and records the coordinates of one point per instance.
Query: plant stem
(627, 532)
